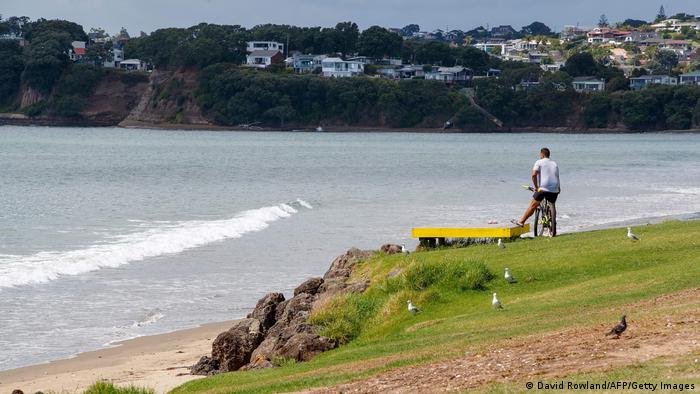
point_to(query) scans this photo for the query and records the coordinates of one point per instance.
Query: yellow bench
(436, 235)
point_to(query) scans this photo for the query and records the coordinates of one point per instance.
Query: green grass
(103, 387)
(574, 279)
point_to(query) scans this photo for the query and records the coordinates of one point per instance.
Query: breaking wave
(162, 240)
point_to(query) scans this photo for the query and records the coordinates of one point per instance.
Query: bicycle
(545, 217)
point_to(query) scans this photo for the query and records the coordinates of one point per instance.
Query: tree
(349, 33)
(666, 59)
(634, 23)
(581, 64)
(603, 21)
(661, 15)
(536, 29)
(410, 30)
(378, 42)
(435, 52)
(11, 66)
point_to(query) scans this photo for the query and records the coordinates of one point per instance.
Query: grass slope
(571, 280)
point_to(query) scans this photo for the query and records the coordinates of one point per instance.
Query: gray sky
(148, 15)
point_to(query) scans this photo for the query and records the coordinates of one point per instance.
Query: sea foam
(161, 240)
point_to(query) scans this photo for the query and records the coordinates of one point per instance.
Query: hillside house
(450, 75)
(132, 65)
(588, 84)
(263, 58)
(692, 78)
(306, 63)
(335, 67)
(77, 51)
(644, 81)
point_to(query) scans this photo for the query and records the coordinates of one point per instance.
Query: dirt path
(664, 326)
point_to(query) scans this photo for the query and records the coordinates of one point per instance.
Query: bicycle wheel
(536, 224)
(552, 220)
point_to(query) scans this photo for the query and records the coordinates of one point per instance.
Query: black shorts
(541, 195)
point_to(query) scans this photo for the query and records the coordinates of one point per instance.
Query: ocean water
(108, 234)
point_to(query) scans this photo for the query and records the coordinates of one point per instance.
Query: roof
(652, 76)
(588, 79)
(451, 70)
(263, 53)
(79, 51)
(691, 74)
(131, 61)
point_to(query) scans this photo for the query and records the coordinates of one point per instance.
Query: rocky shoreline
(277, 329)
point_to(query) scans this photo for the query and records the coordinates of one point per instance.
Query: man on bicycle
(545, 178)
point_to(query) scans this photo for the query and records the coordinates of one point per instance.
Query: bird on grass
(631, 235)
(508, 277)
(619, 328)
(501, 244)
(412, 308)
(404, 249)
(496, 303)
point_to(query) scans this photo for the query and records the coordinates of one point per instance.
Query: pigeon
(619, 328)
(403, 249)
(631, 235)
(412, 308)
(501, 244)
(495, 303)
(509, 278)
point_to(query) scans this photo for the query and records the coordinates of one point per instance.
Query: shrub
(103, 387)
(35, 109)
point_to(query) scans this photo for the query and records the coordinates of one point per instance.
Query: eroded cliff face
(114, 99)
(168, 100)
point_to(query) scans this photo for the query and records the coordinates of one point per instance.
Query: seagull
(495, 303)
(509, 278)
(403, 249)
(631, 235)
(619, 328)
(501, 244)
(412, 308)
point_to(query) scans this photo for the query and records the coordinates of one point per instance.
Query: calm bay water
(109, 234)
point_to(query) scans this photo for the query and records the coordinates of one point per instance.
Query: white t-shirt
(547, 175)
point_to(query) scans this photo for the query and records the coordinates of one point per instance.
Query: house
(493, 73)
(450, 75)
(676, 25)
(645, 81)
(637, 36)
(263, 58)
(494, 47)
(601, 35)
(77, 51)
(692, 78)
(411, 71)
(552, 67)
(132, 65)
(588, 84)
(336, 67)
(117, 58)
(306, 63)
(503, 31)
(571, 32)
(264, 46)
(366, 60)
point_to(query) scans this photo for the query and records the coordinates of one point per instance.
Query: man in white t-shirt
(545, 178)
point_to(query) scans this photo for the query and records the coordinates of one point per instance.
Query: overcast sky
(148, 15)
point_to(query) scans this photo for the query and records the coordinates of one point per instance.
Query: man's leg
(528, 212)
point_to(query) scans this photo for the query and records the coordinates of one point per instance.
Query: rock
(232, 349)
(17, 391)
(205, 366)
(291, 320)
(358, 287)
(391, 248)
(304, 346)
(343, 264)
(266, 310)
(310, 286)
(259, 363)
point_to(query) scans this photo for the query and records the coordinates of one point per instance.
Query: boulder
(342, 266)
(232, 349)
(258, 363)
(205, 366)
(266, 310)
(17, 391)
(290, 320)
(310, 286)
(304, 346)
(391, 248)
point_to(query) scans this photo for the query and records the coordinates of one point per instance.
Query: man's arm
(534, 180)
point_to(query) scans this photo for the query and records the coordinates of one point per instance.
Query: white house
(337, 67)
(264, 46)
(117, 58)
(588, 84)
(132, 65)
(449, 74)
(263, 58)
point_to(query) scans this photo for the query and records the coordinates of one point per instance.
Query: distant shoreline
(12, 119)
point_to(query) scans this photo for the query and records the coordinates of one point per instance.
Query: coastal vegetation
(569, 289)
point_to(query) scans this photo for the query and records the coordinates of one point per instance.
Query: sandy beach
(159, 362)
